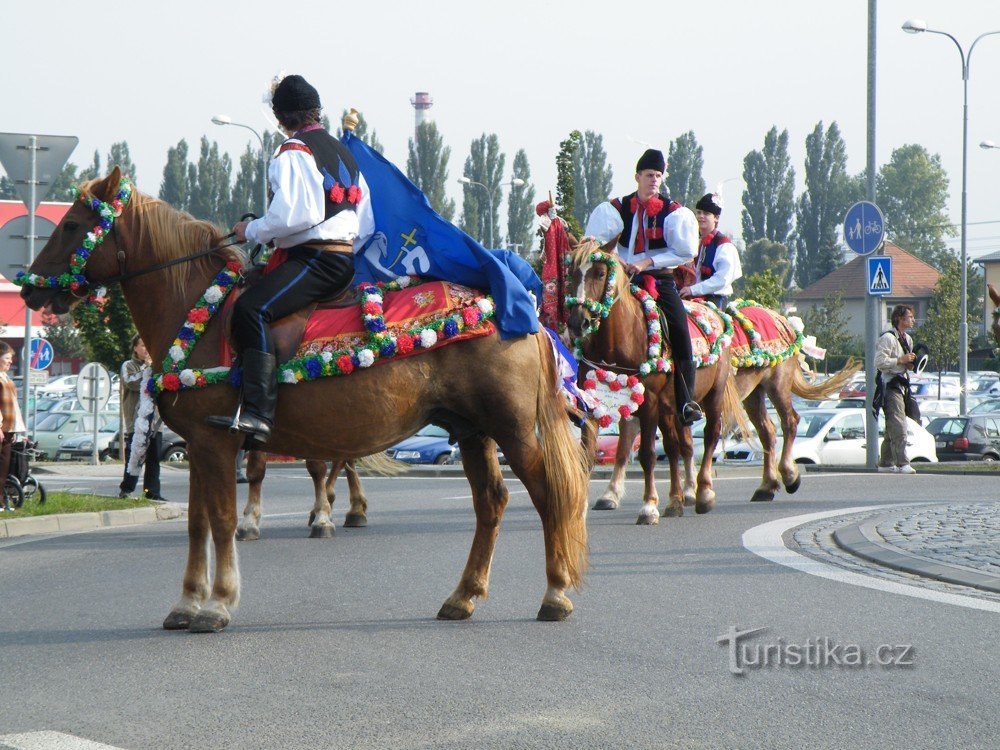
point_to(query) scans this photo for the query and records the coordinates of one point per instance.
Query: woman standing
(10, 415)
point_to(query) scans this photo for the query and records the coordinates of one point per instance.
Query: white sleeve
(298, 202)
(604, 223)
(727, 270)
(680, 232)
(366, 218)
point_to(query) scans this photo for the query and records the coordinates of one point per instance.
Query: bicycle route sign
(864, 228)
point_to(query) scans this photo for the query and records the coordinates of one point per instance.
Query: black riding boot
(684, 381)
(255, 414)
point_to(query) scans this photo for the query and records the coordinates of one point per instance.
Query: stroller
(20, 483)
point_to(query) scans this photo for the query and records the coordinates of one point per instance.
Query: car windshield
(947, 426)
(52, 422)
(986, 407)
(432, 430)
(811, 423)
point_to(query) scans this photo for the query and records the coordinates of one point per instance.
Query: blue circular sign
(42, 354)
(864, 227)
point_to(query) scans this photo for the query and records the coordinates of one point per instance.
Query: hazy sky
(153, 73)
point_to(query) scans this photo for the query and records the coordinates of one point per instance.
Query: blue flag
(411, 239)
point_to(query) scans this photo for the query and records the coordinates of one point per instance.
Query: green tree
(764, 287)
(94, 170)
(684, 181)
(565, 183)
(938, 331)
(592, 175)
(362, 131)
(7, 191)
(427, 168)
(62, 187)
(106, 330)
(821, 207)
(521, 208)
(769, 198)
(210, 192)
(764, 255)
(65, 339)
(830, 325)
(912, 191)
(119, 155)
(175, 188)
(481, 208)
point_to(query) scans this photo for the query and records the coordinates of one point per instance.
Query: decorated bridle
(599, 309)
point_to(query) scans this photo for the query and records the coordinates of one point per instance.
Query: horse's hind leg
(612, 496)
(319, 518)
(756, 408)
(357, 516)
(249, 526)
(674, 438)
(779, 391)
(195, 585)
(489, 497)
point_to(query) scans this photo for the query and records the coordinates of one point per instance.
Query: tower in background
(421, 101)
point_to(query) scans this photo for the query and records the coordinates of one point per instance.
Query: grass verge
(66, 502)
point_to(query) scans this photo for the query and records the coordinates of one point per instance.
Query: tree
(521, 208)
(592, 176)
(7, 191)
(94, 170)
(764, 287)
(684, 181)
(821, 207)
(210, 191)
(65, 338)
(769, 198)
(427, 168)
(106, 329)
(765, 255)
(938, 331)
(119, 155)
(912, 191)
(175, 188)
(565, 184)
(63, 185)
(481, 207)
(362, 132)
(830, 326)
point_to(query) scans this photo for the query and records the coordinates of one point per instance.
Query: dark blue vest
(654, 224)
(706, 254)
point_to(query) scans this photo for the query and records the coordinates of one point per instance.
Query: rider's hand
(685, 293)
(240, 230)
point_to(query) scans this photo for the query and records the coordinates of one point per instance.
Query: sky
(638, 73)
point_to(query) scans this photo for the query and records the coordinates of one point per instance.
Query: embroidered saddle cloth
(760, 330)
(701, 341)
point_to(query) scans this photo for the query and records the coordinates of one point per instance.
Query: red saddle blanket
(776, 335)
(416, 307)
(700, 344)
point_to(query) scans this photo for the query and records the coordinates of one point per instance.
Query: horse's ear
(609, 246)
(107, 188)
(994, 294)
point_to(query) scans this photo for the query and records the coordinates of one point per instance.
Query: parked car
(932, 389)
(61, 386)
(972, 438)
(428, 446)
(930, 410)
(989, 406)
(698, 442)
(51, 431)
(836, 437)
(81, 447)
(607, 444)
(174, 447)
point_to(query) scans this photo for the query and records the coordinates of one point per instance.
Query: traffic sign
(42, 354)
(864, 227)
(14, 240)
(38, 377)
(93, 386)
(50, 153)
(879, 275)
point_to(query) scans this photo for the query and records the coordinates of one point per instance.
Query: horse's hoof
(704, 506)
(644, 520)
(689, 499)
(553, 612)
(322, 532)
(247, 535)
(762, 496)
(673, 511)
(605, 504)
(208, 622)
(451, 612)
(355, 520)
(792, 488)
(178, 620)
(312, 517)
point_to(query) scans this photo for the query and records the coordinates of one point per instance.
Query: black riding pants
(677, 328)
(308, 275)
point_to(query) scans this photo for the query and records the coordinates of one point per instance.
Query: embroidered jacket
(670, 237)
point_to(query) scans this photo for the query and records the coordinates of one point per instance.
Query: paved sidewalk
(956, 543)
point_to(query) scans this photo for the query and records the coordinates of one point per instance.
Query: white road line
(766, 541)
(49, 741)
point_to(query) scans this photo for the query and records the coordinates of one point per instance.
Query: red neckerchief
(651, 207)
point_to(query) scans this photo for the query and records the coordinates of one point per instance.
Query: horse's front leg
(357, 516)
(674, 438)
(613, 495)
(650, 512)
(249, 526)
(320, 520)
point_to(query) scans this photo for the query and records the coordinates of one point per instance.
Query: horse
(612, 335)
(485, 390)
(995, 297)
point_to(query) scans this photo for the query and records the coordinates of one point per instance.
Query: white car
(62, 386)
(836, 437)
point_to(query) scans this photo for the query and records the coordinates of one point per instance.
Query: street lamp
(919, 26)
(988, 145)
(227, 120)
(516, 182)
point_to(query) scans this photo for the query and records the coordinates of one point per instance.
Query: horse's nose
(576, 321)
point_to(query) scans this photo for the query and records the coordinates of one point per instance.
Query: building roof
(911, 278)
(988, 258)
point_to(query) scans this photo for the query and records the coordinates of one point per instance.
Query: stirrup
(691, 413)
(224, 423)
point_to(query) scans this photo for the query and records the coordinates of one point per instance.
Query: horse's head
(595, 280)
(995, 296)
(82, 250)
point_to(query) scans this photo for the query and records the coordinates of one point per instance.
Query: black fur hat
(709, 203)
(652, 159)
(295, 94)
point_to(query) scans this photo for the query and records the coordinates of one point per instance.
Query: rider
(318, 195)
(668, 238)
(718, 263)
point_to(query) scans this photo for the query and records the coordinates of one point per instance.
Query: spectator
(894, 359)
(132, 377)
(10, 415)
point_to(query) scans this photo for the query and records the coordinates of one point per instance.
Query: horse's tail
(734, 416)
(566, 472)
(832, 385)
(381, 465)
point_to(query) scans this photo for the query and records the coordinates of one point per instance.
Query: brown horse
(486, 390)
(995, 297)
(620, 344)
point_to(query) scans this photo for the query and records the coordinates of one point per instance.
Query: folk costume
(318, 195)
(718, 263)
(666, 233)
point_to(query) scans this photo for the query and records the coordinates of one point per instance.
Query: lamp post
(227, 120)
(516, 182)
(986, 145)
(918, 26)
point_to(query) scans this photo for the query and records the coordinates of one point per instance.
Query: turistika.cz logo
(818, 652)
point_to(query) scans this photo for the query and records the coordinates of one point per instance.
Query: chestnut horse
(616, 339)
(486, 390)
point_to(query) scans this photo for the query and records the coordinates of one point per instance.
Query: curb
(862, 540)
(87, 521)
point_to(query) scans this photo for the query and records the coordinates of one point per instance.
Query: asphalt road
(335, 644)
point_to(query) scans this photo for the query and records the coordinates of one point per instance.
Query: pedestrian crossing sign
(879, 274)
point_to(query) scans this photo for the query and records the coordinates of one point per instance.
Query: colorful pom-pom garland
(618, 396)
(758, 356)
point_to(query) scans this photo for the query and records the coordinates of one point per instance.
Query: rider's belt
(661, 273)
(333, 246)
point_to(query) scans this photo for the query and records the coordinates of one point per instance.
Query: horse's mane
(582, 253)
(166, 233)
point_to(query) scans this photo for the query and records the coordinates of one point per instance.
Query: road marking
(49, 741)
(766, 541)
